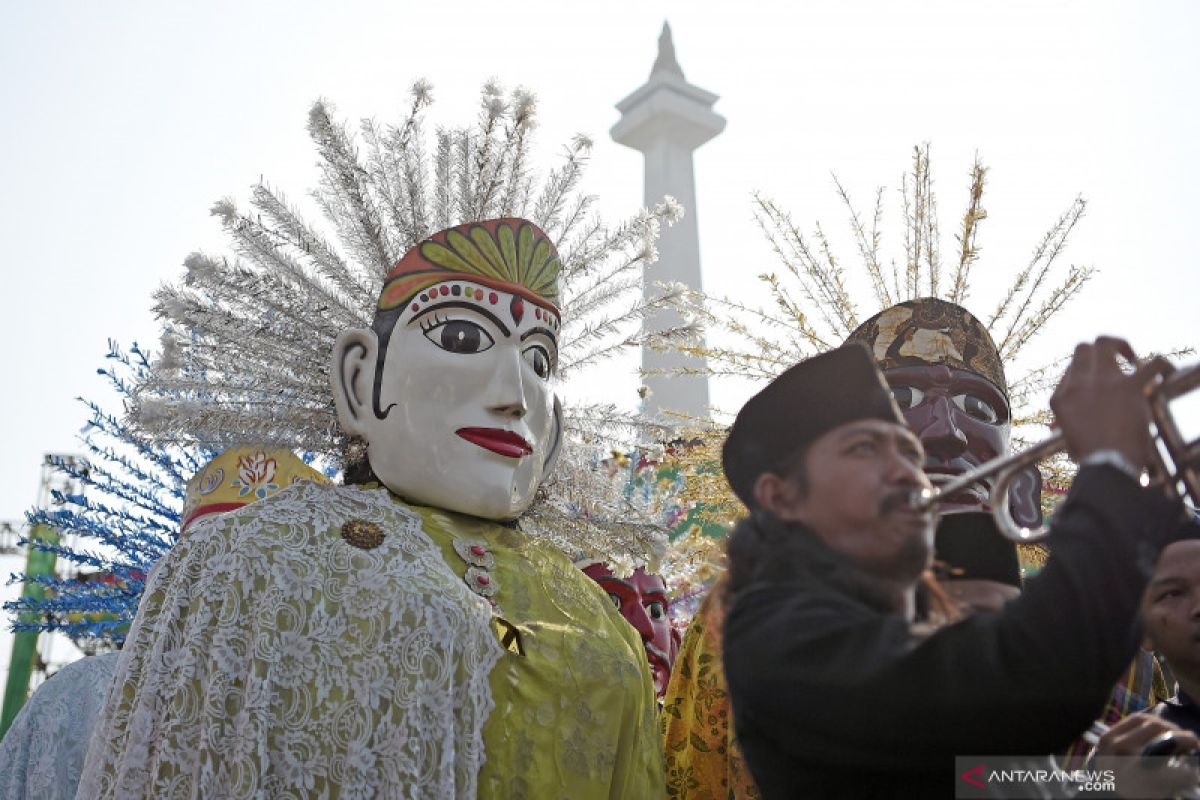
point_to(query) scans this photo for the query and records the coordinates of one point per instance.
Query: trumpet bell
(1179, 456)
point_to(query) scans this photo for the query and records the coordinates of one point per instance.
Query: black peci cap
(806, 401)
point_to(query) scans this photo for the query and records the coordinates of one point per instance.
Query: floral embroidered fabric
(703, 760)
(272, 658)
(575, 712)
(42, 754)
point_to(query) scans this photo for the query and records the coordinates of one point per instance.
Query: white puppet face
(462, 416)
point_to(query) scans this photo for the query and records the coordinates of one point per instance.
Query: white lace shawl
(272, 658)
(42, 753)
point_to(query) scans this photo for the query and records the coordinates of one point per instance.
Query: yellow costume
(703, 761)
(584, 708)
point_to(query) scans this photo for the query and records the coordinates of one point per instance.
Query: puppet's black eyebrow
(549, 334)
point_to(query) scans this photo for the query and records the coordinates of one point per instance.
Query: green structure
(24, 651)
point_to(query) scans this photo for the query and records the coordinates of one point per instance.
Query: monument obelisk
(666, 119)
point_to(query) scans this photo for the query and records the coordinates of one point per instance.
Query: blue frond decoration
(120, 517)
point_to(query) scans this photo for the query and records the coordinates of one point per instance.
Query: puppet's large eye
(976, 407)
(459, 336)
(538, 358)
(907, 396)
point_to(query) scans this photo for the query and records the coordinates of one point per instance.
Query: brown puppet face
(642, 600)
(962, 421)
(947, 379)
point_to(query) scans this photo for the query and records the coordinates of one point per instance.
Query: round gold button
(362, 534)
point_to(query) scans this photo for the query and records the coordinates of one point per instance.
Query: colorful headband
(931, 331)
(512, 255)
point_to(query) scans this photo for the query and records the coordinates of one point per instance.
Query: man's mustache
(898, 500)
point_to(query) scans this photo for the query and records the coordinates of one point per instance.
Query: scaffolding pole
(24, 651)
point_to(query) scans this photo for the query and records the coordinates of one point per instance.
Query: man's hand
(1130, 736)
(1097, 407)
(1138, 748)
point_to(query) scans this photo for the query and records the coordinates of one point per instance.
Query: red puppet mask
(642, 600)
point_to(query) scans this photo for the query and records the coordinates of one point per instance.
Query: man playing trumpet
(836, 692)
(948, 379)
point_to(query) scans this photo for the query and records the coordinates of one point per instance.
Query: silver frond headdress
(247, 336)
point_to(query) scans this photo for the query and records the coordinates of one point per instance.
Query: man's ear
(1025, 497)
(555, 440)
(352, 377)
(778, 495)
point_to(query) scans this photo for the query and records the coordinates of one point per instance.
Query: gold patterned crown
(509, 254)
(931, 331)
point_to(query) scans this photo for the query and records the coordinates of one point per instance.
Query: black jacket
(835, 696)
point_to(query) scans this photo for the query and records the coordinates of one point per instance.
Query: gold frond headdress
(812, 310)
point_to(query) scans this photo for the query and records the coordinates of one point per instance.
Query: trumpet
(1175, 465)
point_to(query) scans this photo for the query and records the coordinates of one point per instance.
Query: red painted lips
(506, 443)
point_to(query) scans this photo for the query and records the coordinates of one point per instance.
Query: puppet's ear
(555, 441)
(1025, 497)
(352, 377)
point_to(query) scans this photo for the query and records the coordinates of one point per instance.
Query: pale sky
(124, 121)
